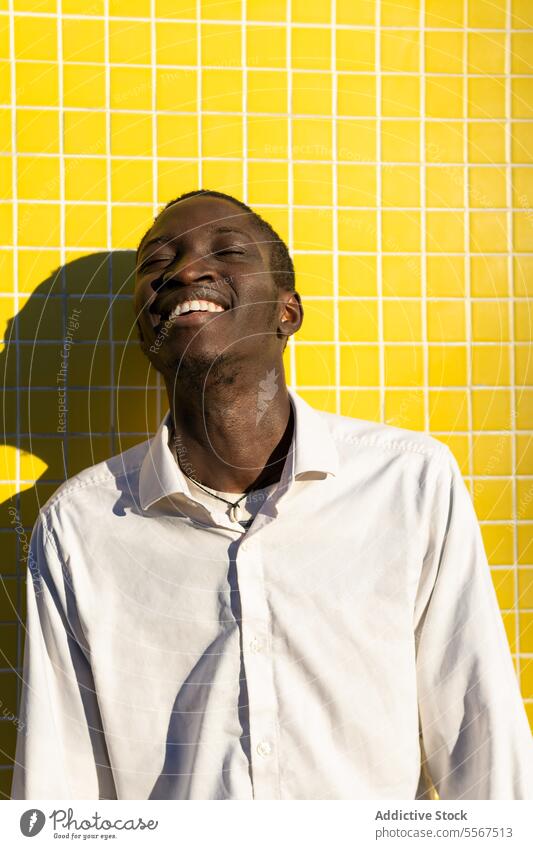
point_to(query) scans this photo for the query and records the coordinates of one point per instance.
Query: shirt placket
(257, 659)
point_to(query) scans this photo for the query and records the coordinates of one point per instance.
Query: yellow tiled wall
(391, 143)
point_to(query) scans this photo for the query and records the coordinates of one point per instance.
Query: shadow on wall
(77, 390)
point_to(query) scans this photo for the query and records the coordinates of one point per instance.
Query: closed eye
(228, 251)
(153, 261)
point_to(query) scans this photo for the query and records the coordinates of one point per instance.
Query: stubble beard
(200, 372)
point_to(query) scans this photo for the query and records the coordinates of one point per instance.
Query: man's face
(204, 287)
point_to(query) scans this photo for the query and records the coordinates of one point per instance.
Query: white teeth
(195, 306)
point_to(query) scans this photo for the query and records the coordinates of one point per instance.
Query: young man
(263, 601)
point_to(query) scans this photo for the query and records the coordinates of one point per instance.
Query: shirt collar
(313, 455)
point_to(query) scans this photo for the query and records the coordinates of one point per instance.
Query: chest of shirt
(327, 562)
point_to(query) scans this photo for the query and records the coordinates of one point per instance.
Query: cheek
(263, 295)
(259, 321)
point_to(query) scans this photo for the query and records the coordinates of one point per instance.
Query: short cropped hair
(282, 266)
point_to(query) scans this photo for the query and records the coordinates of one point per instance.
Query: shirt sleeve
(61, 751)
(474, 726)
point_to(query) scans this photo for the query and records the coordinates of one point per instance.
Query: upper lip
(163, 306)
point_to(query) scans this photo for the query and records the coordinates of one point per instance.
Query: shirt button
(256, 646)
(264, 748)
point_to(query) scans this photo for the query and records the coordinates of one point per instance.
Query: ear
(291, 313)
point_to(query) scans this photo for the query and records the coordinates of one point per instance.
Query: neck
(233, 427)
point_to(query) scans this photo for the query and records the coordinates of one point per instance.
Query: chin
(197, 366)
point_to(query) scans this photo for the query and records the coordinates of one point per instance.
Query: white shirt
(365, 601)
(248, 505)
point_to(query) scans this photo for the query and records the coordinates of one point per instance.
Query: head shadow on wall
(77, 390)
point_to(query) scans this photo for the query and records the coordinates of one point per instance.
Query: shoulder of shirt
(377, 436)
(106, 475)
(344, 430)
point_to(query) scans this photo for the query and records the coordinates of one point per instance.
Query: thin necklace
(232, 504)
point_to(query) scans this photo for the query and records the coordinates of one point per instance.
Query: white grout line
(27, 154)
(272, 69)
(466, 261)
(501, 299)
(302, 252)
(423, 197)
(266, 23)
(140, 204)
(14, 202)
(62, 199)
(199, 90)
(385, 118)
(335, 207)
(373, 387)
(145, 204)
(244, 103)
(155, 162)
(109, 225)
(290, 183)
(510, 264)
(379, 202)
(15, 339)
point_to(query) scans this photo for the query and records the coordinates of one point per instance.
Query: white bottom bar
(264, 825)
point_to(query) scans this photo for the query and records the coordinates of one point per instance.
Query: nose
(188, 269)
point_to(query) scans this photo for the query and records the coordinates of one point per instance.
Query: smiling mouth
(192, 307)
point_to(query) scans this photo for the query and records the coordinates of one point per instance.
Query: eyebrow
(164, 240)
